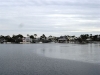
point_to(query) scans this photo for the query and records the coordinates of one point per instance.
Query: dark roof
(62, 39)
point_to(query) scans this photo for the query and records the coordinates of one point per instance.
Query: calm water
(49, 59)
(85, 53)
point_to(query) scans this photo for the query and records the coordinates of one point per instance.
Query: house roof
(62, 39)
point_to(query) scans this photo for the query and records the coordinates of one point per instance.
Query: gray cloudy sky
(50, 17)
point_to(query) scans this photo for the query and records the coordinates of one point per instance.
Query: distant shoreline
(93, 42)
(82, 39)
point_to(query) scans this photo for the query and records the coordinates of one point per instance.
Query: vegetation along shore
(20, 39)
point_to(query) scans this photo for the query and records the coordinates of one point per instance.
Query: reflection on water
(86, 53)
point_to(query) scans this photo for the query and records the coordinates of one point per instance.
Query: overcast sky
(49, 17)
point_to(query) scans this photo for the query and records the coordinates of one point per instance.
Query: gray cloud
(49, 16)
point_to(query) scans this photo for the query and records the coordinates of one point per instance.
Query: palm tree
(50, 38)
(35, 35)
(43, 36)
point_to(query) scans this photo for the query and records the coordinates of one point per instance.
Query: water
(50, 59)
(80, 52)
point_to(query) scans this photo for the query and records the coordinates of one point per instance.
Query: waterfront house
(1, 40)
(62, 40)
(26, 40)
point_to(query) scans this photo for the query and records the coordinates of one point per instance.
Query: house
(89, 40)
(62, 40)
(26, 40)
(71, 38)
(1, 40)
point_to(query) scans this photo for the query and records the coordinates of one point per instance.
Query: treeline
(30, 38)
(33, 38)
(13, 39)
(88, 38)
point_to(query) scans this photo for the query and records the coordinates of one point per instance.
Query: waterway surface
(50, 59)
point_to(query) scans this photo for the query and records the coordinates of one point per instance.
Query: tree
(50, 38)
(31, 36)
(17, 38)
(95, 38)
(99, 37)
(35, 35)
(84, 37)
(9, 39)
(91, 36)
(20, 36)
(43, 38)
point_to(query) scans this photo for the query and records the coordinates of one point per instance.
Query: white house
(26, 40)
